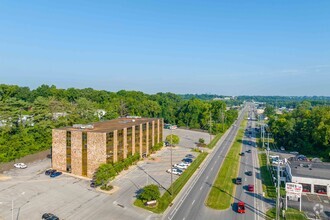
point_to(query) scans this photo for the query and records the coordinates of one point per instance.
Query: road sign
(293, 188)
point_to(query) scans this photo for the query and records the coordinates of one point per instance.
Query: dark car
(49, 156)
(188, 160)
(93, 184)
(49, 172)
(49, 216)
(249, 173)
(242, 154)
(55, 174)
(167, 143)
(238, 181)
(190, 156)
(248, 151)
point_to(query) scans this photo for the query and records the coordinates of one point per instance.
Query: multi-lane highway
(190, 204)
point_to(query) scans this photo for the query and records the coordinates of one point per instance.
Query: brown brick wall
(96, 151)
(59, 149)
(76, 152)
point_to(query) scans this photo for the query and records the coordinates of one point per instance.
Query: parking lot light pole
(171, 163)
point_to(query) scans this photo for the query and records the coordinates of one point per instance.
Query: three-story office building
(81, 149)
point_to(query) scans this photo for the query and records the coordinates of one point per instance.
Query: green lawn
(290, 214)
(223, 188)
(166, 198)
(214, 141)
(267, 184)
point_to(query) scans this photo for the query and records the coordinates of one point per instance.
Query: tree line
(306, 130)
(27, 116)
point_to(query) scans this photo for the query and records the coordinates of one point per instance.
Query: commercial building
(313, 176)
(81, 149)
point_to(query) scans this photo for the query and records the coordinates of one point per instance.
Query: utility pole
(278, 191)
(171, 163)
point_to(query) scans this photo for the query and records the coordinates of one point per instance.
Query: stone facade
(96, 147)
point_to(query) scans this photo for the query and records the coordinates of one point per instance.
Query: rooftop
(309, 169)
(111, 125)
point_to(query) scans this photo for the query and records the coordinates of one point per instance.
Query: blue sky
(243, 47)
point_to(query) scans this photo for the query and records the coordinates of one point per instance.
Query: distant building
(313, 176)
(57, 115)
(81, 149)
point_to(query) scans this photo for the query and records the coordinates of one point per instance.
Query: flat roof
(110, 125)
(319, 170)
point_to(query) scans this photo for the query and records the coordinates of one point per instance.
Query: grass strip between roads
(214, 141)
(290, 214)
(267, 183)
(164, 201)
(222, 192)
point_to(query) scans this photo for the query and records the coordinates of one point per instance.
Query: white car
(20, 165)
(175, 171)
(181, 166)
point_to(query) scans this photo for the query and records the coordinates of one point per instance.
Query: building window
(144, 139)
(120, 145)
(156, 132)
(68, 151)
(306, 187)
(137, 139)
(84, 153)
(129, 141)
(319, 189)
(109, 146)
(161, 126)
(150, 135)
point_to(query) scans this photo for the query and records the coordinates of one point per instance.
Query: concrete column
(125, 142)
(133, 140)
(153, 133)
(59, 149)
(312, 188)
(148, 136)
(158, 125)
(96, 151)
(115, 146)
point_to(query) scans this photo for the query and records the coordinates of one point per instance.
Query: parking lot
(33, 193)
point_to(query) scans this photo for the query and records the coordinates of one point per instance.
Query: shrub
(150, 192)
(106, 187)
(174, 138)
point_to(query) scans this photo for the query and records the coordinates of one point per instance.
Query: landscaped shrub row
(107, 172)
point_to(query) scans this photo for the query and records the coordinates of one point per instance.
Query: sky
(226, 47)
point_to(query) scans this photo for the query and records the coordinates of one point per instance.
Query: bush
(106, 187)
(174, 138)
(150, 192)
(157, 147)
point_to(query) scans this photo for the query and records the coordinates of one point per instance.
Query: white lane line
(201, 188)
(245, 179)
(193, 202)
(212, 168)
(207, 177)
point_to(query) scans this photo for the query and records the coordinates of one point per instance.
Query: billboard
(293, 188)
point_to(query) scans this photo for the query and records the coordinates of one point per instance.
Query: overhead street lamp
(12, 204)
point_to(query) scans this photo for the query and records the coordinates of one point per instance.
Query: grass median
(166, 199)
(222, 192)
(290, 214)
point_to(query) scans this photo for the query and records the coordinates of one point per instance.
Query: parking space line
(193, 202)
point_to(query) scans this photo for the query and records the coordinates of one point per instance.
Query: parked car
(251, 188)
(49, 172)
(167, 143)
(20, 165)
(93, 184)
(49, 156)
(175, 171)
(238, 181)
(249, 173)
(188, 160)
(55, 174)
(49, 216)
(241, 207)
(181, 166)
(190, 156)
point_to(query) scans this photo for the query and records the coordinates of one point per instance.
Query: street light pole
(12, 209)
(171, 163)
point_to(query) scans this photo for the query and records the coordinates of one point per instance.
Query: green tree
(150, 192)
(173, 139)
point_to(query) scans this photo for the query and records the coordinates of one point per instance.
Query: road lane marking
(193, 202)
(201, 188)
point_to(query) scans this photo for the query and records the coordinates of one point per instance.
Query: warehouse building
(313, 176)
(81, 149)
